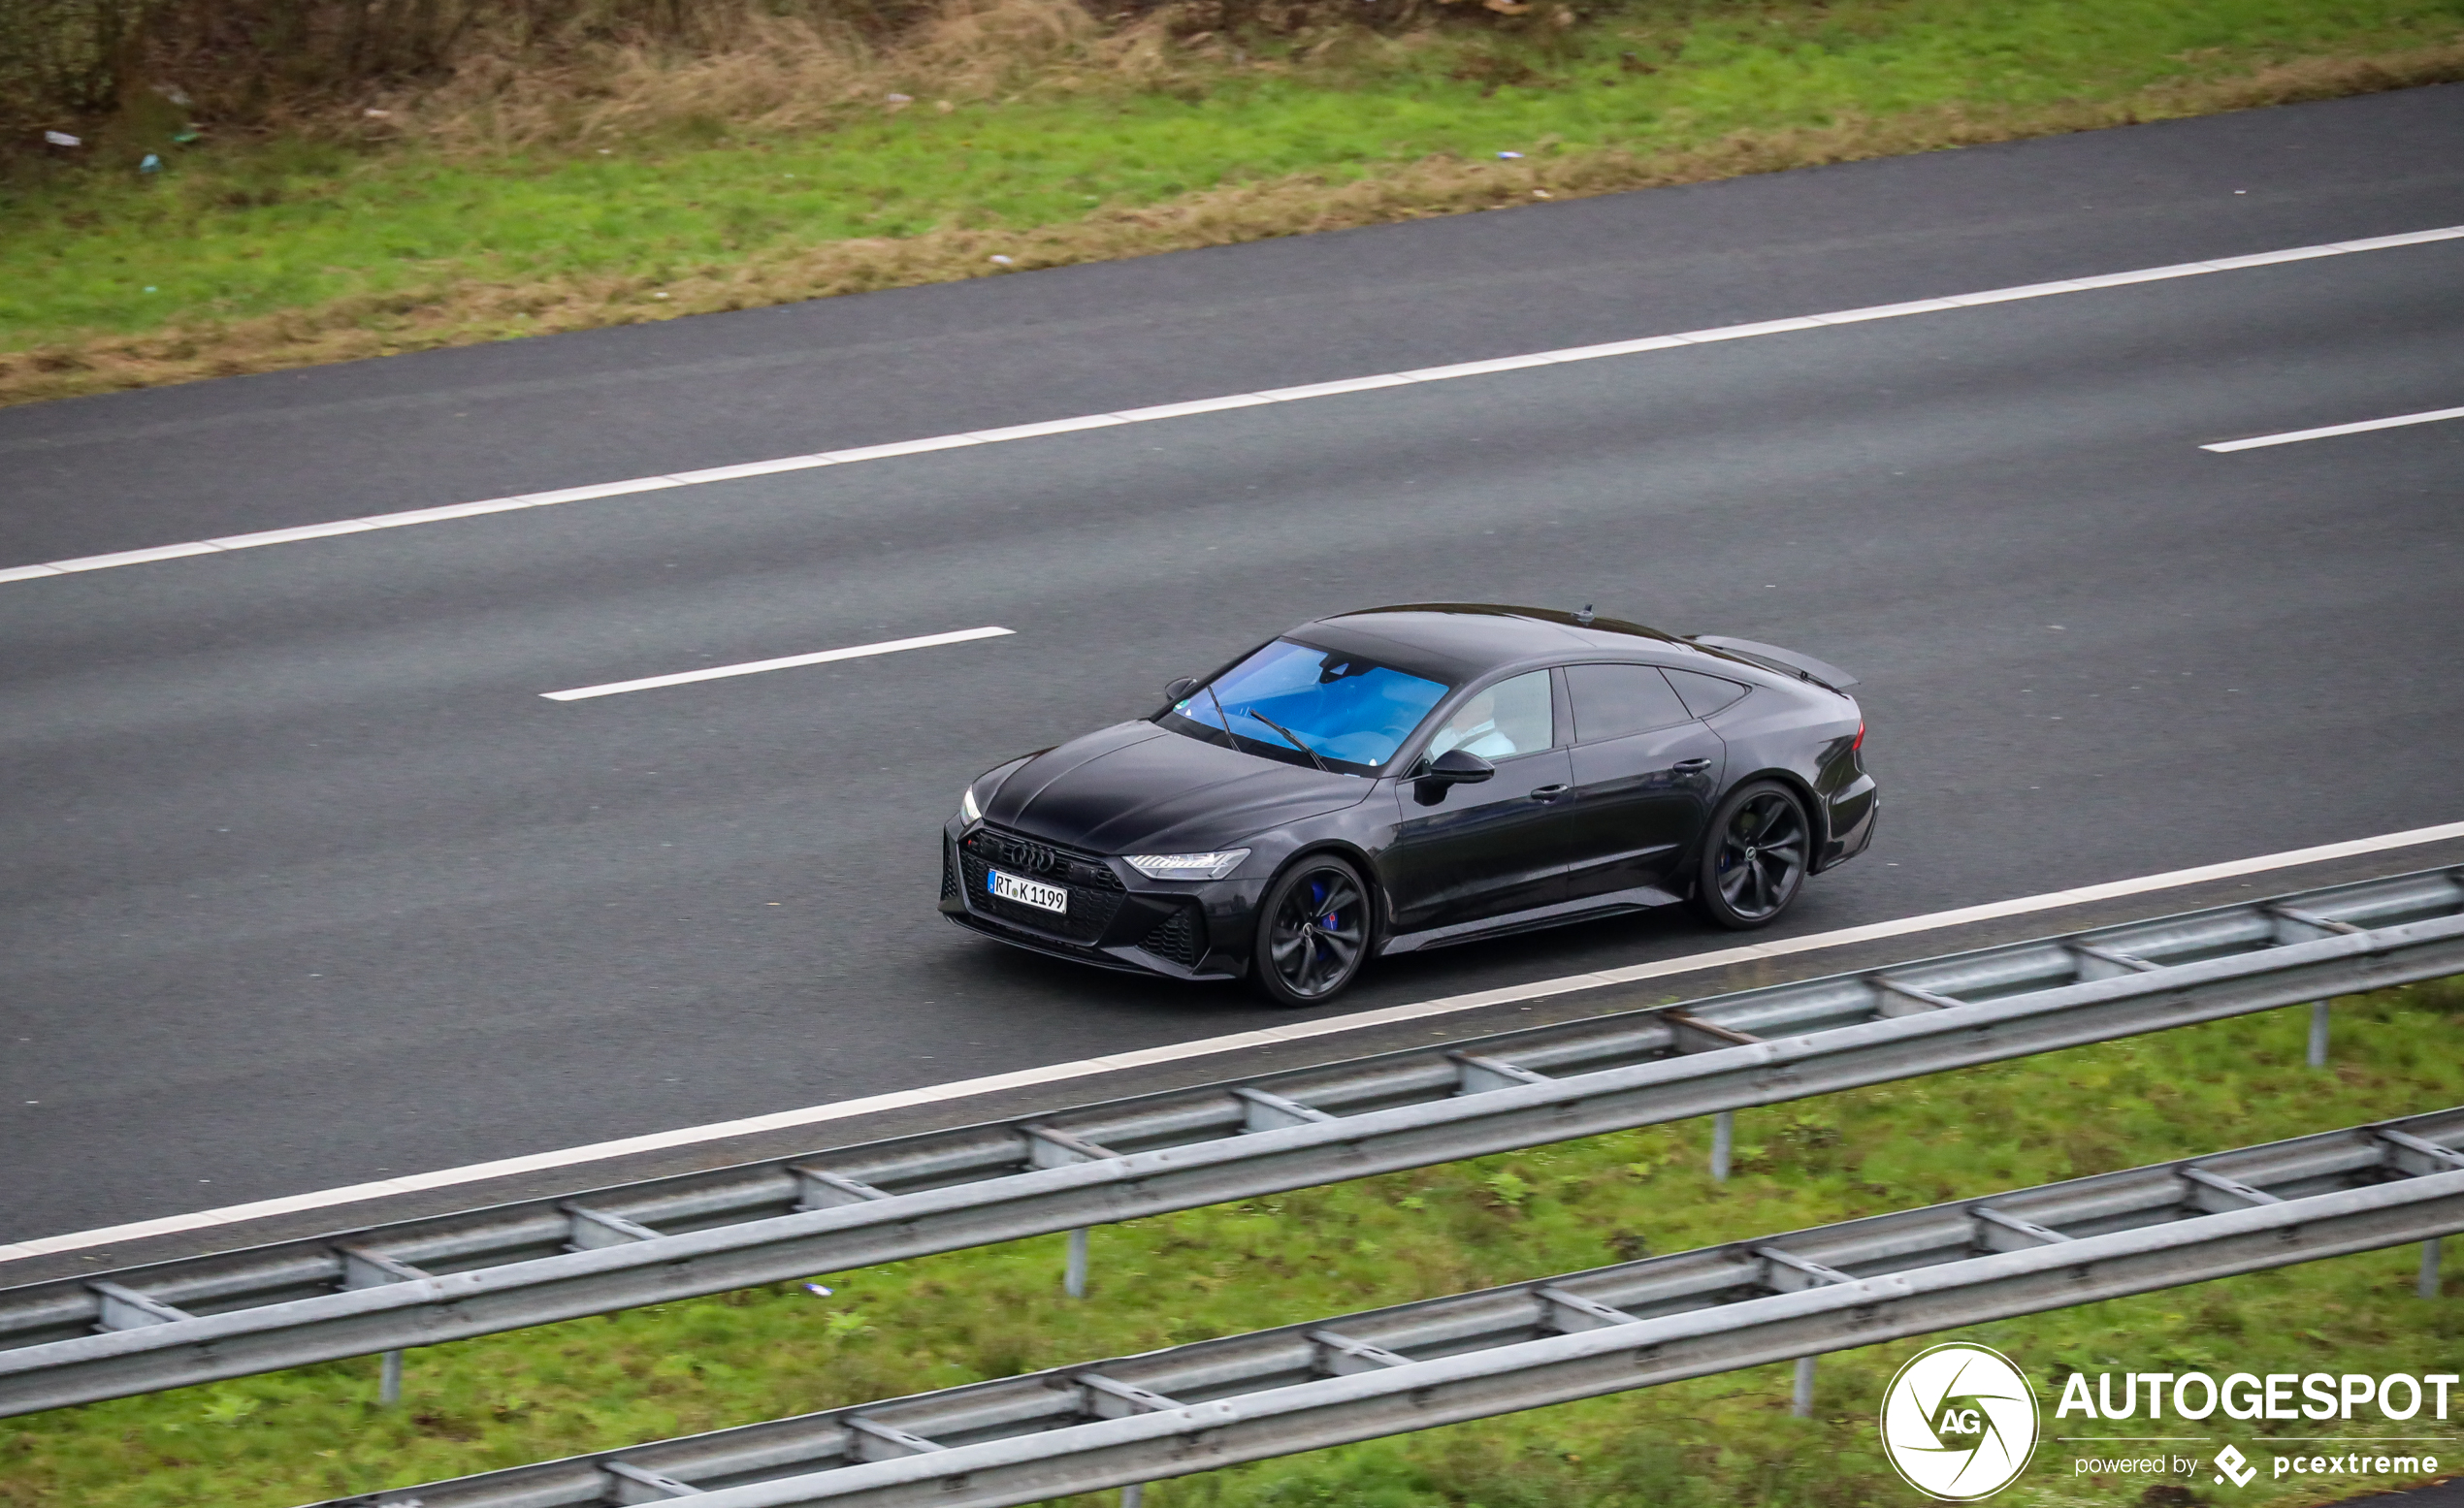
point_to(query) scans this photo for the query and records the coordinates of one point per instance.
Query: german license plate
(1028, 892)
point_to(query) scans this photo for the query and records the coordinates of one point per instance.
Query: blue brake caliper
(1316, 897)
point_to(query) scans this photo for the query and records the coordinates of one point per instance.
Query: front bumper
(1117, 918)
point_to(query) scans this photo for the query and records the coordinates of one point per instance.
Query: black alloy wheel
(1755, 860)
(1313, 932)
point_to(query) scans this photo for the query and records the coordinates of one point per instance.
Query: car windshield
(1342, 708)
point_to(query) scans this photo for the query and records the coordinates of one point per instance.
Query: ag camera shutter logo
(1958, 1421)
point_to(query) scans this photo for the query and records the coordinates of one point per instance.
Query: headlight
(968, 811)
(1187, 866)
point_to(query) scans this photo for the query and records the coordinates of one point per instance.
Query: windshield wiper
(1225, 716)
(1288, 737)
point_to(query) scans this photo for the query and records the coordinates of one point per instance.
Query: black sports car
(1408, 777)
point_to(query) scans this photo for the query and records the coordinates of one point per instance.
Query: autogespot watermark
(2317, 1397)
(1960, 1421)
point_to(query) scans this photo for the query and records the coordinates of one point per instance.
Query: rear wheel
(1754, 861)
(1313, 932)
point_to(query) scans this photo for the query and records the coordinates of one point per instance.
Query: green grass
(930, 1323)
(232, 232)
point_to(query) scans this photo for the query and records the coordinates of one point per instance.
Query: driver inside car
(1506, 719)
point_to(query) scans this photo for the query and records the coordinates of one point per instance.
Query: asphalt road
(302, 882)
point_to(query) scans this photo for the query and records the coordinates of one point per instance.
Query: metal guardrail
(1441, 1361)
(421, 1282)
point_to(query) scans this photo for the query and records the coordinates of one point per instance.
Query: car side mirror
(1180, 689)
(1455, 767)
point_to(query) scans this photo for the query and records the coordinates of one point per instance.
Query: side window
(1611, 701)
(1705, 695)
(1506, 719)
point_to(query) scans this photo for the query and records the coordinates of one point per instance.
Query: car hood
(1136, 788)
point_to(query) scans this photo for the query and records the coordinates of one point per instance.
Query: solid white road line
(1055, 1072)
(754, 667)
(1580, 353)
(2296, 436)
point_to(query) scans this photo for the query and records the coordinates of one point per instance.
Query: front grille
(1176, 938)
(1037, 859)
(1095, 891)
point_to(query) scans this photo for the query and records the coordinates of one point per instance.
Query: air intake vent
(1177, 938)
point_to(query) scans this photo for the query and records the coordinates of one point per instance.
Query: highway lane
(303, 881)
(137, 469)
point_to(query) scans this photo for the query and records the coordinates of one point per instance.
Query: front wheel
(1755, 857)
(1313, 932)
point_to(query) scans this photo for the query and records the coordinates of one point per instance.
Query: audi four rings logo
(1958, 1421)
(1011, 850)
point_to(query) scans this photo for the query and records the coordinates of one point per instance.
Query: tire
(1755, 854)
(1314, 930)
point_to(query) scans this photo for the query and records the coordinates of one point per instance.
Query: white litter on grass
(1509, 156)
(62, 139)
(817, 1290)
(1004, 261)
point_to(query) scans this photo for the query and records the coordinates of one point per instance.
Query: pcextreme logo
(2231, 1463)
(1958, 1421)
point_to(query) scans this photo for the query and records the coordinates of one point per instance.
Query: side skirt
(1614, 902)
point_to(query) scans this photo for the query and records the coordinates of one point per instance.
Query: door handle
(1691, 766)
(1549, 793)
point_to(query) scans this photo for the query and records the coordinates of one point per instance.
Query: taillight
(1861, 737)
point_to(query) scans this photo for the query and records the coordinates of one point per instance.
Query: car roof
(1460, 640)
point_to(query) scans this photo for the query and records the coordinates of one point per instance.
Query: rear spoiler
(1804, 668)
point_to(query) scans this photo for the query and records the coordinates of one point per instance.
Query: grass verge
(907, 1327)
(295, 250)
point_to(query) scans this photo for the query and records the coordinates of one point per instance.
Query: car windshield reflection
(1350, 712)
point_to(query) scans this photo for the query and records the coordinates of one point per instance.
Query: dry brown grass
(485, 76)
(538, 68)
(461, 313)
(780, 75)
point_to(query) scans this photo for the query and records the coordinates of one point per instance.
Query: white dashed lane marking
(2296, 436)
(753, 667)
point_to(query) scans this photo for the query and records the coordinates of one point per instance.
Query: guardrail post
(2428, 1285)
(2319, 1034)
(1074, 1276)
(1723, 1138)
(1800, 1396)
(389, 1380)
(1134, 1495)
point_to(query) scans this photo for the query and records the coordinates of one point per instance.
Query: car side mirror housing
(1180, 689)
(1459, 767)
(1455, 767)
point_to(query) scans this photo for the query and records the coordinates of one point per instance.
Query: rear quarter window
(1705, 694)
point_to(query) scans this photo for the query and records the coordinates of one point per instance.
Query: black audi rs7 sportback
(1405, 778)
